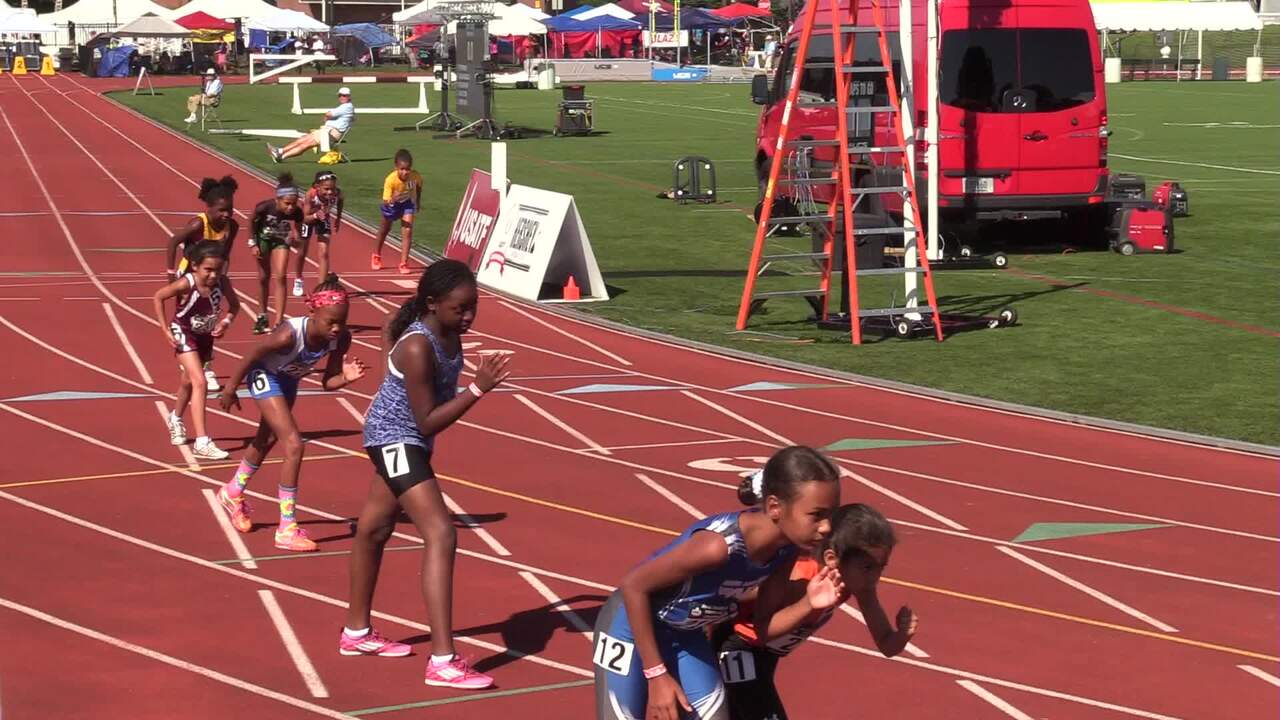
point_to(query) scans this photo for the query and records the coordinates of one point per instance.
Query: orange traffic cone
(571, 291)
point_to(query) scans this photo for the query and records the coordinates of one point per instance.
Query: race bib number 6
(614, 655)
(258, 383)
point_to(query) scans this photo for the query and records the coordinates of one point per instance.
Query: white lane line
(186, 451)
(846, 472)
(1265, 677)
(351, 409)
(172, 661)
(471, 524)
(749, 423)
(992, 698)
(683, 443)
(291, 644)
(1091, 592)
(571, 336)
(128, 346)
(911, 649)
(233, 535)
(587, 376)
(558, 604)
(674, 498)
(591, 444)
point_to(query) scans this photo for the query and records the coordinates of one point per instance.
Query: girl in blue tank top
(652, 655)
(417, 400)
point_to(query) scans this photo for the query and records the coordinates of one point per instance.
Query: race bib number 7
(394, 460)
(614, 655)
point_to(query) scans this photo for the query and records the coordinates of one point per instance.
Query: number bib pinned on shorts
(613, 654)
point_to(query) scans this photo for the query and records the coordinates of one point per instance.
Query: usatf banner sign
(538, 244)
(477, 216)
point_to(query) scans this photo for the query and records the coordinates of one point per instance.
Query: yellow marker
(19, 65)
(46, 66)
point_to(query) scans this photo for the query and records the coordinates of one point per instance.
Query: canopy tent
(422, 13)
(740, 10)
(204, 21)
(224, 9)
(23, 21)
(532, 12)
(570, 37)
(694, 19)
(105, 12)
(512, 22)
(610, 9)
(563, 23)
(641, 7)
(1158, 16)
(152, 26)
(286, 21)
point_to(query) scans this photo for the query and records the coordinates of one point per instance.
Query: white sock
(202, 441)
(355, 634)
(173, 417)
(441, 659)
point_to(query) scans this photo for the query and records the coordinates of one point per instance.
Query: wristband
(655, 671)
(474, 389)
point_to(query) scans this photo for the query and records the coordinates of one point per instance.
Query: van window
(821, 82)
(982, 69)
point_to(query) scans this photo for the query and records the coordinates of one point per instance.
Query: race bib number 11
(613, 655)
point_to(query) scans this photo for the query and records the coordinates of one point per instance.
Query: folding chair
(209, 112)
(333, 144)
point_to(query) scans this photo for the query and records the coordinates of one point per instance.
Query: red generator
(1169, 194)
(1142, 227)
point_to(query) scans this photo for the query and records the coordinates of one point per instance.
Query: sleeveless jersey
(712, 597)
(196, 313)
(209, 232)
(298, 360)
(390, 418)
(803, 571)
(274, 225)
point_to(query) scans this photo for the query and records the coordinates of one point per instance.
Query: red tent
(738, 10)
(204, 21)
(641, 7)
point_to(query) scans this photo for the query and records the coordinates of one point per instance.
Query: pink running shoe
(457, 674)
(372, 644)
(295, 538)
(237, 508)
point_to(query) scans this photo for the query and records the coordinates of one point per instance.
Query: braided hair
(439, 279)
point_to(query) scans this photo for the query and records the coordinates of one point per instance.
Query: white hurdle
(420, 109)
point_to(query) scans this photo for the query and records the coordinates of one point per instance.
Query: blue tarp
(368, 33)
(257, 38)
(115, 61)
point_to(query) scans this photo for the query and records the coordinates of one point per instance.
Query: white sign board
(538, 244)
(666, 39)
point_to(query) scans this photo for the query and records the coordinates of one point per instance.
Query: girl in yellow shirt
(401, 195)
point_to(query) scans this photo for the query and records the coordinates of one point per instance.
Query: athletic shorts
(325, 136)
(622, 692)
(319, 230)
(401, 465)
(268, 243)
(397, 210)
(264, 384)
(747, 672)
(192, 342)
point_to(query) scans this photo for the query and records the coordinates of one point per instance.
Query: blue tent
(577, 11)
(368, 33)
(694, 19)
(561, 23)
(115, 61)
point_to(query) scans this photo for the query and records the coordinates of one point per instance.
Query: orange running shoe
(375, 262)
(293, 538)
(237, 508)
(404, 269)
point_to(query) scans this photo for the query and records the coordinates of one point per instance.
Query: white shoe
(297, 287)
(190, 119)
(209, 451)
(177, 431)
(211, 380)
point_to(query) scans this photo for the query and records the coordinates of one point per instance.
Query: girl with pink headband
(273, 369)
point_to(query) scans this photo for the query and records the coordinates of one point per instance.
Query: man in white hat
(336, 123)
(210, 93)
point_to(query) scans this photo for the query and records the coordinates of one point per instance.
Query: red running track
(128, 600)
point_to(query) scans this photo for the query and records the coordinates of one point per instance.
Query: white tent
(532, 12)
(222, 9)
(1158, 16)
(152, 26)
(104, 12)
(287, 21)
(511, 21)
(609, 9)
(410, 14)
(23, 21)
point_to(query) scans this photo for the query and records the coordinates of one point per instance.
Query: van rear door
(979, 131)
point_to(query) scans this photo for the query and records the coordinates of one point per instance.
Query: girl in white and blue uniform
(652, 655)
(418, 399)
(273, 370)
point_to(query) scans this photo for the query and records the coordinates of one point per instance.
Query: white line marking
(471, 524)
(291, 644)
(571, 336)
(557, 604)
(911, 648)
(128, 346)
(233, 535)
(713, 441)
(1265, 677)
(591, 444)
(587, 376)
(1196, 164)
(351, 409)
(749, 423)
(1091, 592)
(990, 697)
(846, 472)
(674, 498)
(186, 451)
(172, 661)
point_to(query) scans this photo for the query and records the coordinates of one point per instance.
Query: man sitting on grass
(336, 122)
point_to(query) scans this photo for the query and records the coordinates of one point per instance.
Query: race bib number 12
(613, 655)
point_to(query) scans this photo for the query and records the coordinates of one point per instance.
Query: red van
(1022, 119)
